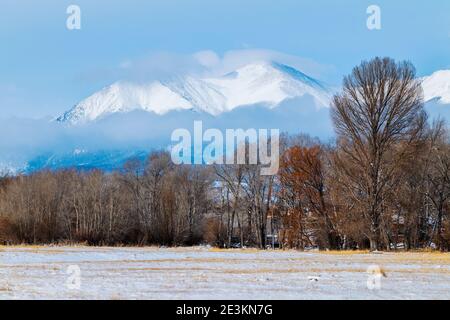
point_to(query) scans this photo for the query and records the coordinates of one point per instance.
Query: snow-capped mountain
(268, 83)
(129, 119)
(437, 87)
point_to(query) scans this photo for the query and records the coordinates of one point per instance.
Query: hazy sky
(46, 68)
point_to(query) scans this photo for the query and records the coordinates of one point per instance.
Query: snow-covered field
(206, 273)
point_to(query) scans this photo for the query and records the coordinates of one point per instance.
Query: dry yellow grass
(344, 252)
(5, 289)
(383, 271)
(420, 257)
(425, 253)
(249, 250)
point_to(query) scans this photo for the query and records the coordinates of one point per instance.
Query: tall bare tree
(381, 105)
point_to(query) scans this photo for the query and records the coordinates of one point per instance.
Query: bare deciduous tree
(381, 104)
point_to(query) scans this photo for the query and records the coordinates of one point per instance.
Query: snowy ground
(204, 273)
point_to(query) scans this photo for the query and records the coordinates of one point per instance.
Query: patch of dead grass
(344, 252)
(6, 288)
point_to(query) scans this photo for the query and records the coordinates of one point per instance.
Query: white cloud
(159, 65)
(208, 58)
(236, 58)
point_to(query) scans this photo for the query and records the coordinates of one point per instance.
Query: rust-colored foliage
(301, 170)
(302, 190)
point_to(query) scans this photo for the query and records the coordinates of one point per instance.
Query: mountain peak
(261, 82)
(437, 86)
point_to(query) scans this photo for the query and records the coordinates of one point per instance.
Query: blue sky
(45, 68)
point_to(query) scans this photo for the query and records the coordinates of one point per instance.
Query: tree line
(383, 184)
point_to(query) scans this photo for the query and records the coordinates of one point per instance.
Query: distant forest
(383, 184)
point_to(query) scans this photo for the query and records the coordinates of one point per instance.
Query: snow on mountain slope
(125, 97)
(437, 87)
(267, 83)
(258, 83)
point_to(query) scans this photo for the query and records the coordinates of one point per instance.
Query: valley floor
(207, 273)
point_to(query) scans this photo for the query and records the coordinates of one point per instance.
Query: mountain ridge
(260, 82)
(264, 82)
(126, 119)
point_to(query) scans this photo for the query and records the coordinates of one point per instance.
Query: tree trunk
(374, 239)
